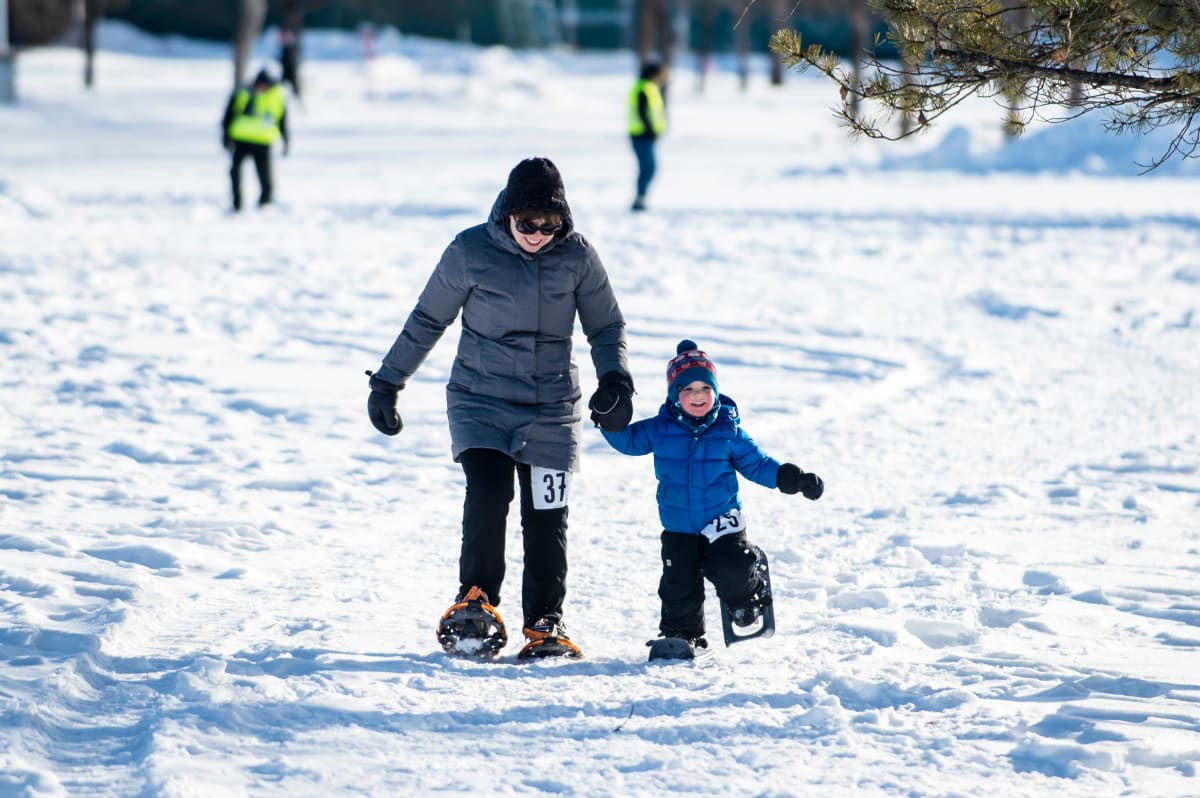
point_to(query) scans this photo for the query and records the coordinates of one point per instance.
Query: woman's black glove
(792, 480)
(612, 403)
(381, 406)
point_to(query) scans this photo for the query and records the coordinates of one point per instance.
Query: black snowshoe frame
(668, 648)
(762, 601)
(472, 628)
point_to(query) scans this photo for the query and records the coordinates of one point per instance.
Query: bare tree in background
(93, 10)
(36, 22)
(251, 15)
(708, 21)
(741, 45)
(857, 14)
(655, 36)
(780, 12)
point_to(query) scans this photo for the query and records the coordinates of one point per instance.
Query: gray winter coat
(514, 385)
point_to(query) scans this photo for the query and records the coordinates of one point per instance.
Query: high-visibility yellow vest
(256, 115)
(654, 104)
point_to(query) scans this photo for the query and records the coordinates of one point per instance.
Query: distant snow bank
(1081, 145)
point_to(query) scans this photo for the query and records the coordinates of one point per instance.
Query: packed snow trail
(216, 578)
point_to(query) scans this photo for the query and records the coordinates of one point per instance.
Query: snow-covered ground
(217, 579)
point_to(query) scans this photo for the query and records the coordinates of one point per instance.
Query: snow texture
(217, 579)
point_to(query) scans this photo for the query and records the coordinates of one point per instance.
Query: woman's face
(533, 232)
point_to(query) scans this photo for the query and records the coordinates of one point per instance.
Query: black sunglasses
(528, 228)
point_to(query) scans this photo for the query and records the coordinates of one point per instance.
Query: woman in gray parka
(520, 279)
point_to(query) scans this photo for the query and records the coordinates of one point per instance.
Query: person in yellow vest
(647, 121)
(255, 118)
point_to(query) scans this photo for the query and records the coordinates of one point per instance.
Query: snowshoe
(547, 637)
(678, 648)
(756, 619)
(472, 627)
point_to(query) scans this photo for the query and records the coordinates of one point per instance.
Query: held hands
(792, 480)
(381, 406)
(612, 403)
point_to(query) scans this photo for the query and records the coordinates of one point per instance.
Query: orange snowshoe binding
(547, 637)
(472, 627)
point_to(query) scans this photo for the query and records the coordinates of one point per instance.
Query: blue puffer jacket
(696, 469)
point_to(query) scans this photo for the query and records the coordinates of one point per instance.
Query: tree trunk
(569, 19)
(1076, 94)
(708, 21)
(779, 19)
(860, 31)
(655, 36)
(92, 11)
(251, 14)
(1017, 18)
(741, 43)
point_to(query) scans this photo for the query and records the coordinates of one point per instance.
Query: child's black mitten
(792, 480)
(612, 403)
(381, 406)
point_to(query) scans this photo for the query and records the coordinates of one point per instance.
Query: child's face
(696, 398)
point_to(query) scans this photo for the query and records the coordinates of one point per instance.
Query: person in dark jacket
(699, 449)
(647, 121)
(255, 118)
(520, 281)
(289, 60)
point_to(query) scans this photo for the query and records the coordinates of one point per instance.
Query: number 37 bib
(550, 488)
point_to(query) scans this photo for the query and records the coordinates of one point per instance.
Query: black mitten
(381, 406)
(792, 480)
(612, 403)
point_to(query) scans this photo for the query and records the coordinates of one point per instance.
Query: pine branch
(1066, 74)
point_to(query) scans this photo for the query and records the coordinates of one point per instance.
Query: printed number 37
(556, 486)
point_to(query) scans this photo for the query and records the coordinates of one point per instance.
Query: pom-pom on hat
(534, 185)
(688, 366)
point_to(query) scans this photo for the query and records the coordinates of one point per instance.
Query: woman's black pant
(727, 562)
(485, 522)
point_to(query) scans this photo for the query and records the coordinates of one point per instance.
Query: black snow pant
(261, 153)
(485, 520)
(727, 562)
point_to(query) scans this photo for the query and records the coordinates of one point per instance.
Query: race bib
(724, 524)
(550, 488)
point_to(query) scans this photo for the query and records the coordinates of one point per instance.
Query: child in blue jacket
(699, 449)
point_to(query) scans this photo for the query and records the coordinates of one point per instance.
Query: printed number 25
(732, 520)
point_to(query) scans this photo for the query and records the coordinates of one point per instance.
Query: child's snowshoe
(472, 627)
(758, 617)
(667, 648)
(548, 638)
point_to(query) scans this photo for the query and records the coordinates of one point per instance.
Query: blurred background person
(647, 121)
(255, 118)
